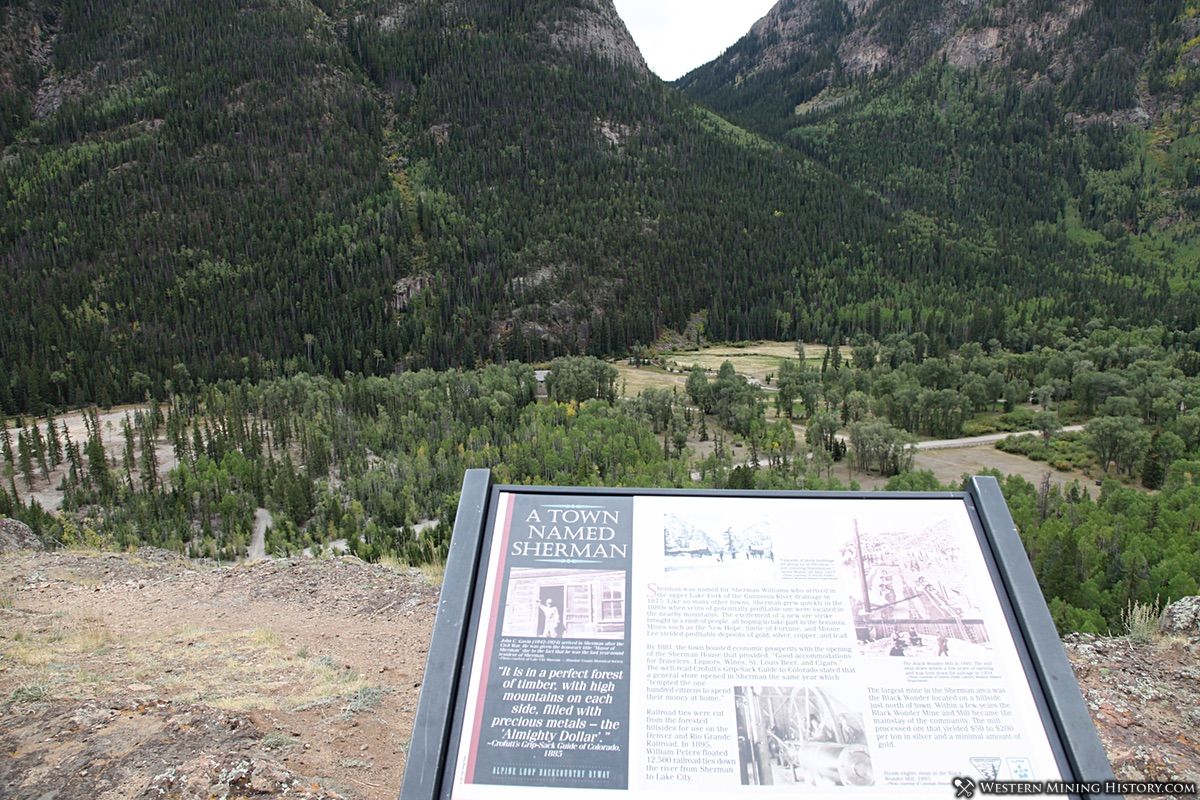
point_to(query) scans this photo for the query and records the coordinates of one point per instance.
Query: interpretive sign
(706, 643)
(552, 705)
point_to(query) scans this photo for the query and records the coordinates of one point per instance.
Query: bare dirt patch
(950, 465)
(46, 491)
(316, 664)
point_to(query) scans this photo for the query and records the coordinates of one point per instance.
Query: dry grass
(1140, 621)
(775, 351)
(89, 637)
(435, 573)
(632, 381)
(237, 670)
(75, 578)
(56, 645)
(261, 637)
(364, 699)
(754, 360)
(326, 684)
(752, 365)
(29, 655)
(812, 352)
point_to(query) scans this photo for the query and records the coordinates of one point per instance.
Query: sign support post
(435, 711)
(1081, 742)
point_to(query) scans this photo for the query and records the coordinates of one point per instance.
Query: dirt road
(989, 438)
(258, 542)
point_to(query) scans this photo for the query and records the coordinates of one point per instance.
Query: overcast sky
(676, 36)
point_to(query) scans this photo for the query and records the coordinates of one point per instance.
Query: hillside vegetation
(1046, 147)
(365, 186)
(376, 462)
(319, 245)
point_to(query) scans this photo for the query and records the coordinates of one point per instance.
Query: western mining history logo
(966, 787)
(963, 787)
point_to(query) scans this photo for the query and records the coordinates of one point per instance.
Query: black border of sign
(433, 751)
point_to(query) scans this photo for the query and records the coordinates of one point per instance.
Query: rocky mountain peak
(587, 26)
(596, 27)
(856, 36)
(869, 36)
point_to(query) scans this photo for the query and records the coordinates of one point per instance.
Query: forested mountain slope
(217, 189)
(1053, 141)
(200, 184)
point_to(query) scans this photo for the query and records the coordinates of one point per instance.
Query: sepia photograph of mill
(910, 595)
(800, 736)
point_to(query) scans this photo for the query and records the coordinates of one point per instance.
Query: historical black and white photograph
(800, 736)
(910, 595)
(565, 603)
(702, 543)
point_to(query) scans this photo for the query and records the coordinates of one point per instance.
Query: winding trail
(258, 542)
(990, 438)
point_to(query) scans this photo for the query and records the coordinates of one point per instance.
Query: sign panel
(550, 706)
(662, 644)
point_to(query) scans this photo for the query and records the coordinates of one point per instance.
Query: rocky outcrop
(15, 535)
(1181, 618)
(855, 36)
(820, 40)
(597, 28)
(1143, 700)
(109, 748)
(587, 26)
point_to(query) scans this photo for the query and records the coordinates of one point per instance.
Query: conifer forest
(315, 252)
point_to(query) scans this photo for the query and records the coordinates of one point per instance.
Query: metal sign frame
(1064, 713)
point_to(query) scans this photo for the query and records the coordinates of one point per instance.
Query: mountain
(1058, 139)
(211, 190)
(190, 190)
(587, 206)
(218, 190)
(1118, 60)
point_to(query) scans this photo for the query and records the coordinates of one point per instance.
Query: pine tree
(197, 442)
(1153, 470)
(97, 463)
(148, 464)
(53, 443)
(6, 441)
(72, 453)
(39, 450)
(129, 454)
(25, 458)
